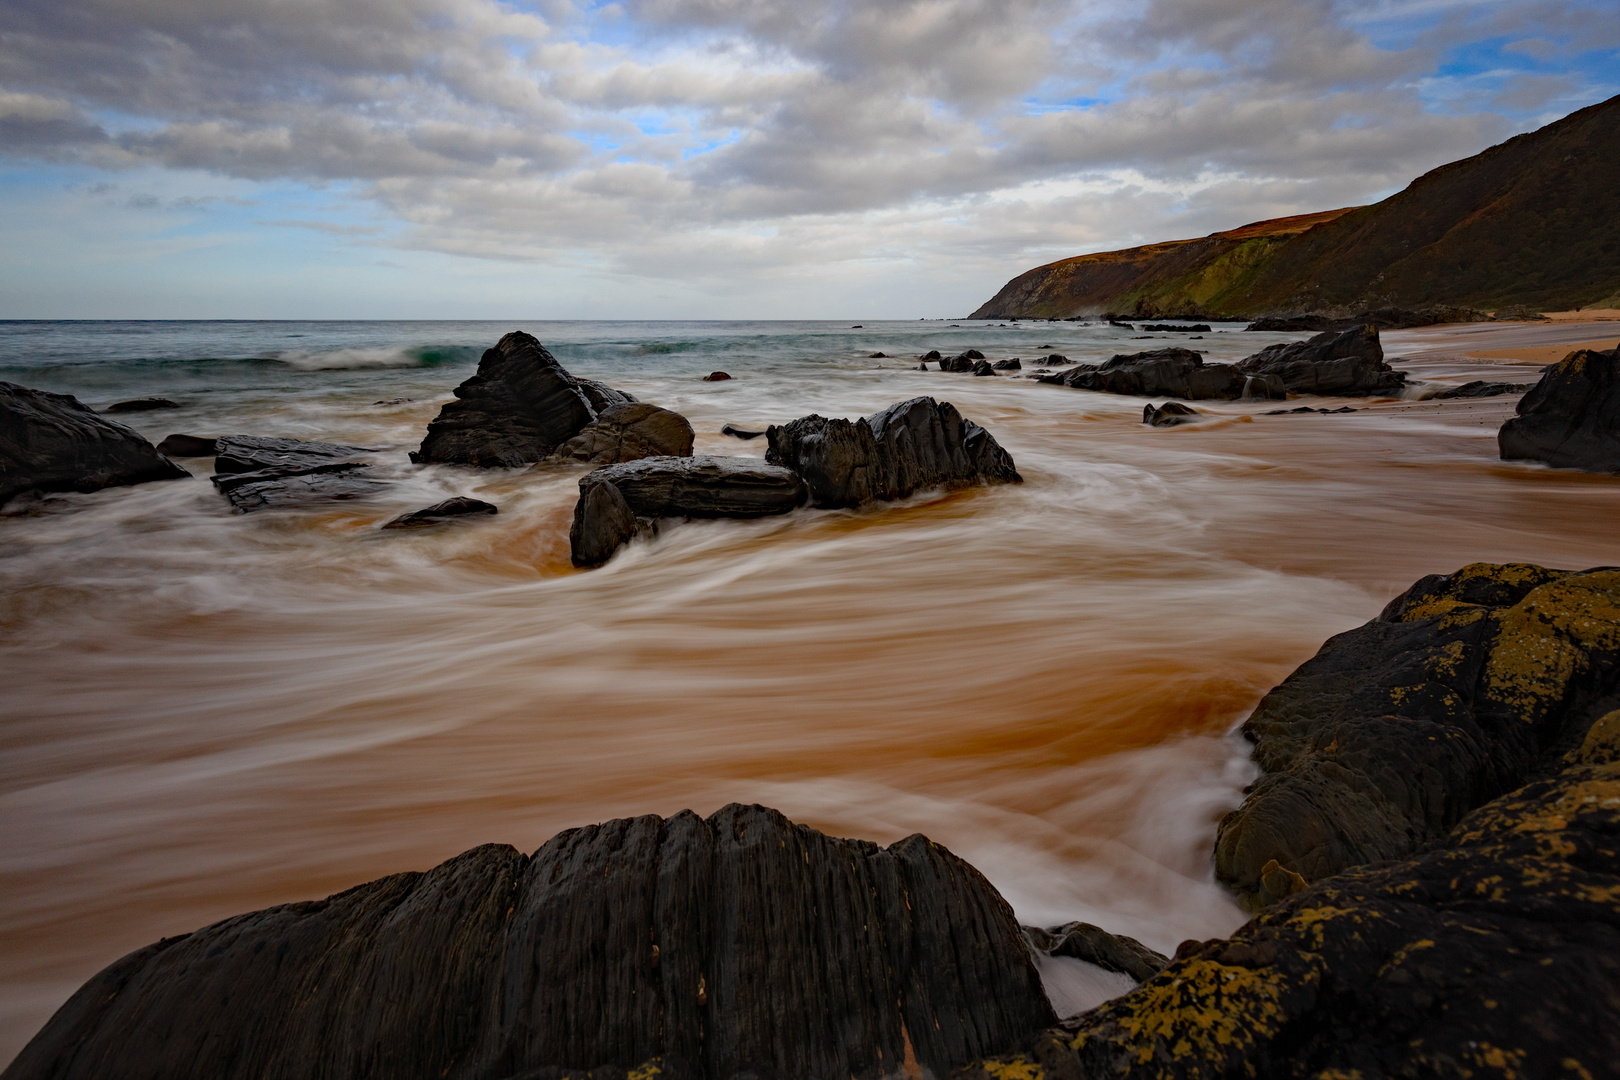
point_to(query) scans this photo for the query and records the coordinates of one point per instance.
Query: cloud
(731, 141)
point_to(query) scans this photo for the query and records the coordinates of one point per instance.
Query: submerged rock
(145, 404)
(516, 410)
(716, 376)
(701, 487)
(740, 945)
(1350, 362)
(962, 363)
(254, 453)
(983, 367)
(1170, 414)
(910, 446)
(1571, 418)
(1094, 945)
(53, 442)
(628, 432)
(1480, 388)
(1196, 328)
(740, 433)
(456, 509)
(189, 446)
(1008, 365)
(1173, 372)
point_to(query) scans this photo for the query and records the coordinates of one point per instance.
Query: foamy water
(207, 713)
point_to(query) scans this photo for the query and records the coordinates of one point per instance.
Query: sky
(713, 158)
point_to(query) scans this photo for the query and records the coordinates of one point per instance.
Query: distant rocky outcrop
(1383, 318)
(691, 949)
(259, 473)
(1349, 362)
(519, 407)
(53, 442)
(1172, 372)
(912, 445)
(1571, 418)
(629, 432)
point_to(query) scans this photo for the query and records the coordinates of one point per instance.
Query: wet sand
(209, 714)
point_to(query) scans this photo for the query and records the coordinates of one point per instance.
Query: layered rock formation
(911, 445)
(1172, 372)
(258, 473)
(1571, 418)
(740, 945)
(1329, 364)
(53, 442)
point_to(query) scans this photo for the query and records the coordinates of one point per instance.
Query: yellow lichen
(1543, 640)
(1602, 743)
(1018, 1068)
(646, 1070)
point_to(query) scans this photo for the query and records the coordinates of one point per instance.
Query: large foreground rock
(1394, 731)
(53, 442)
(629, 432)
(1571, 418)
(743, 945)
(518, 408)
(1335, 363)
(1174, 372)
(908, 447)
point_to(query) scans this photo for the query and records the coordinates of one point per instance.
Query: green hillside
(1534, 221)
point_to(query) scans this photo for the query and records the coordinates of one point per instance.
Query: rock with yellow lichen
(1461, 690)
(1571, 418)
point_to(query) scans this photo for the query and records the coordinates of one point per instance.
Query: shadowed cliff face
(740, 945)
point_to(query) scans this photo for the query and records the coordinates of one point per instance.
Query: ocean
(206, 712)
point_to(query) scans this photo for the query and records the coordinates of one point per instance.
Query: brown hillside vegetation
(1534, 221)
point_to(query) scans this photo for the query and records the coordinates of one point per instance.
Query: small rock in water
(740, 433)
(877, 356)
(393, 401)
(1170, 414)
(857, 326)
(931, 354)
(716, 376)
(189, 446)
(145, 404)
(438, 513)
(983, 367)
(1481, 388)
(1008, 365)
(603, 523)
(923, 366)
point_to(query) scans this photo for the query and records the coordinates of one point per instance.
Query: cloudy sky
(712, 158)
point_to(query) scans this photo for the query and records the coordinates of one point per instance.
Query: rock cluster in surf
(53, 442)
(741, 945)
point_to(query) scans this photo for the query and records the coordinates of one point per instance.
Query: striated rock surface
(1332, 363)
(740, 945)
(258, 473)
(1394, 731)
(701, 487)
(1571, 418)
(628, 432)
(603, 523)
(516, 410)
(53, 442)
(253, 453)
(910, 446)
(1173, 372)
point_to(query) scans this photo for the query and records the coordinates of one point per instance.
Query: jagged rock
(516, 410)
(983, 367)
(1264, 388)
(454, 509)
(602, 396)
(912, 445)
(145, 404)
(716, 376)
(741, 945)
(628, 432)
(1332, 364)
(257, 473)
(1480, 388)
(189, 446)
(1571, 418)
(701, 487)
(1170, 414)
(1395, 730)
(1173, 372)
(603, 523)
(740, 433)
(961, 363)
(1008, 365)
(1094, 945)
(1054, 360)
(931, 354)
(53, 442)
(253, 453)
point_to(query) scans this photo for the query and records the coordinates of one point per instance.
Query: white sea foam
(350, 359)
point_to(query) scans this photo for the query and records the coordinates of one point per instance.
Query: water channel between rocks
(207, 713)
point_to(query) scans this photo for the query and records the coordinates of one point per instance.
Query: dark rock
(910, 446)
(518, 408)
(1094, 945)
(189, 446)
(984, 367)
(264, 490)
(858, 326)
(961, 363)
(1173, 372)
(1314, 324)
(877, 356)
(716, 376)
(743, 945)
(1170, 414)
(1121, 325)
(1329, 364)
(1008, 365)
(145, 404)
(701, 487)
(931, 354)
(1571, 418)
(602, 396)
(1518, 313)
(394, 401)
(53, 442)
(923, 366)
(253, 453)
(740, 433)
(629, 432)
(1480, 388)
(1054, 360)
(450, 510)
(1381, 318)
(1197, 328)
(603, 523)
(1395, 730)
(1308, 409)
(1264, 388)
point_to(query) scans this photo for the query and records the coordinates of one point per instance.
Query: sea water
(206, 712)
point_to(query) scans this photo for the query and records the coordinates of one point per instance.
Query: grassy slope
(1533, 221)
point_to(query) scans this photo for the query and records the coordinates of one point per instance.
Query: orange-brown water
(206, 713)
